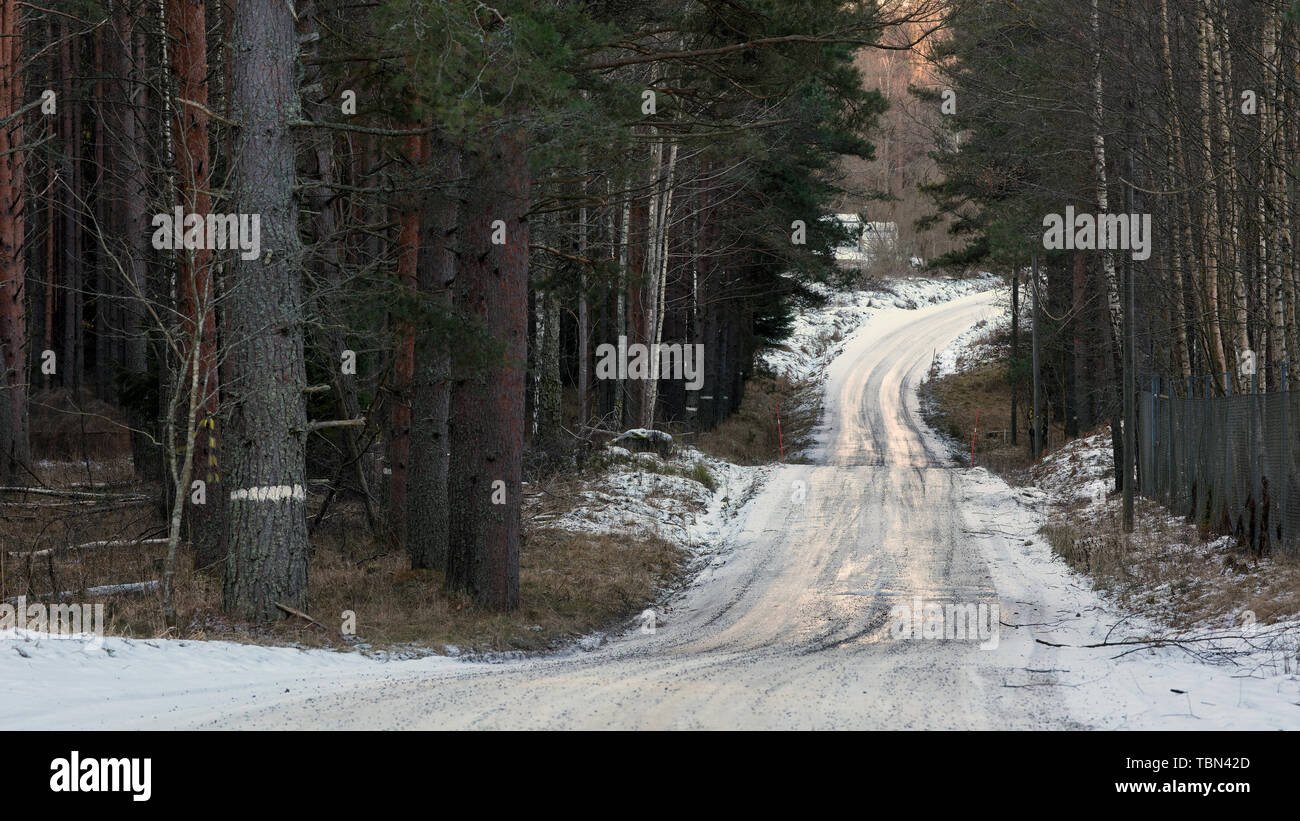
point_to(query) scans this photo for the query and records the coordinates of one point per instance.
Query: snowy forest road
(790, 624)
(792, 629)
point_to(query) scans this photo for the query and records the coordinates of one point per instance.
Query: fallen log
(87, 546)
(74, 494)
(102, 590)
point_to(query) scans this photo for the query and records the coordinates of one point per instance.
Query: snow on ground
(1214, 679)
(1079, 472)
(122, 682)
(1250, 680)
(642, 493)
(161, 684)
(818, 335)
(112, 682)
(970, 347)
(1220, 672)
(1178, 578)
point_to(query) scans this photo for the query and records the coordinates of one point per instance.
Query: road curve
(792, 628)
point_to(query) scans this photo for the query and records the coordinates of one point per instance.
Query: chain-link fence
(1230, 462)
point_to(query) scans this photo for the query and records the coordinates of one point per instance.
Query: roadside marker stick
(972, 437)
(780, 440)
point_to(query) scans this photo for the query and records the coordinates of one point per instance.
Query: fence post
(1205, 471)
(1184, 486)
(1283, 533)
(1229, 467)
(1170, 410)
(1256, 491)
(1153, 441)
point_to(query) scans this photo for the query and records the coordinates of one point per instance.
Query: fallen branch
(102, 590)
(302, 615)
(79, 507)
(87, 546)
(75, 494)
(115, 589)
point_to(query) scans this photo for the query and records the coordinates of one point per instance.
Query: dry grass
(1166, 567)
(954, 401)
(750, 437)
(570, 584)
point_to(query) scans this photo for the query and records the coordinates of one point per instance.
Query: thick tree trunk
(408, 246)
(14, 453)
(426, 522)
(487, 415)
(266, 504)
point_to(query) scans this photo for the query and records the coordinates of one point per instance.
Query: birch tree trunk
(658, 283)
(1210, 221)
(1110, 278)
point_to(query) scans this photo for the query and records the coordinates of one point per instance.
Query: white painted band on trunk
(271, 493)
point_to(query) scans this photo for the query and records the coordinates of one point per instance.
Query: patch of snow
(818, 335)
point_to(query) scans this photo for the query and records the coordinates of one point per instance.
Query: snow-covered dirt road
(792, 625)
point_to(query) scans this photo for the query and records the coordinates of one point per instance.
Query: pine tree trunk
(266, 503)
(408, 244)
(584, 326)
(426, 522)
(551, 395)
(70, 362)
(14, 453)
(105, 362)
(487, 414)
